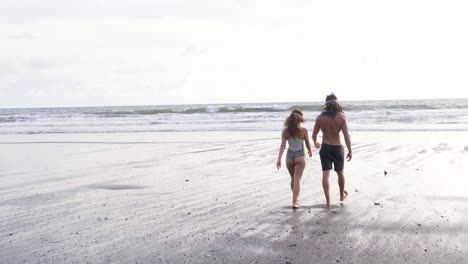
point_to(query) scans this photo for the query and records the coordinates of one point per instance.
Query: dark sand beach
(199, 197)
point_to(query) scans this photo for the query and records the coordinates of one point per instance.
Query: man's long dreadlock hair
(331, 107)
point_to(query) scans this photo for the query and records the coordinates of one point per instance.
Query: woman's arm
(307, 142)
(281, 150)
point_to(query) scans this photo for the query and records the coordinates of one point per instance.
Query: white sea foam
(212, 109)
(416, 115)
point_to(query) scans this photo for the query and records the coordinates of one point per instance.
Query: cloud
(174, 51)
(26, 36)
(54, 9)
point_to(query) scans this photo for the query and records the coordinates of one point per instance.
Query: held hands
(278, 164)
(310, 154)
(317, 145)
(349, 156)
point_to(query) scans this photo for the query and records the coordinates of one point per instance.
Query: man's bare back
(331, 128)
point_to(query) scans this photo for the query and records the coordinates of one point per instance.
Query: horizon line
(264, 102)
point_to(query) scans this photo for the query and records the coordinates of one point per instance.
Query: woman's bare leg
(299, 166)
(326, 187)
(290, 166)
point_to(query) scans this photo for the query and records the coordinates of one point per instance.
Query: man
(331, 122)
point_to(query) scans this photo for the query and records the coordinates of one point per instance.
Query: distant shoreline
(246, 103)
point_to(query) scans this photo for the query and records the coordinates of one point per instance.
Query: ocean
(390, 115)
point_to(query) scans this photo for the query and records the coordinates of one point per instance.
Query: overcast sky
(114, 52)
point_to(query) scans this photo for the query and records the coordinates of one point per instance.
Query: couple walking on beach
(331, 122)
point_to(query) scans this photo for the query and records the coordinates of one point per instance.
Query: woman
(295, 134)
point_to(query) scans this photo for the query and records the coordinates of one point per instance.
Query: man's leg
(326, 187)
(341, 183)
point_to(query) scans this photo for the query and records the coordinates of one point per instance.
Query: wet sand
(218, 198)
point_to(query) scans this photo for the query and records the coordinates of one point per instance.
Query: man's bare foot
(328, 205)
(342, 198)
(296, 205)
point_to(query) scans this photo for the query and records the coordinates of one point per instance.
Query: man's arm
(315, 133)
(347, 139)
(281, 150)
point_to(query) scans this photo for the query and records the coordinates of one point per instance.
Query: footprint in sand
(116, 186)
(440, 147)
(393, 149)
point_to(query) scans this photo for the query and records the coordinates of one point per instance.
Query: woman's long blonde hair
(292, 124)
